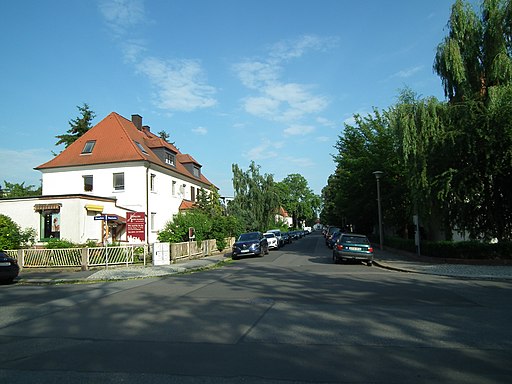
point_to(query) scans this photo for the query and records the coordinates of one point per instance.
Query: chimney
(145, 128)
(137, 121)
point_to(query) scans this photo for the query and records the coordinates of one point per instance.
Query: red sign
(136, 225)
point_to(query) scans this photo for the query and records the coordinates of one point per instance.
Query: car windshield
(248, 236)
(355, 240)
(269, 235)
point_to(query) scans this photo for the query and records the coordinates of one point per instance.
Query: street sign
(106, 217)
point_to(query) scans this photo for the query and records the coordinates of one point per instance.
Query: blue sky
(231, 81)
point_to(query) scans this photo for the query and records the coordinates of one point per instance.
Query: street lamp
(378, 174)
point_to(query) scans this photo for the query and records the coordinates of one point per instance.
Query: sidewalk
(405, 262)
(118, 272)
(388, 259)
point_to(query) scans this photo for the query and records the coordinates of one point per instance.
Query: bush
(59, 243)
(12, 236)
(176, 231)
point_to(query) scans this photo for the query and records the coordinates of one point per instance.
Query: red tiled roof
(186, 204)
(283, 212)
(185, 159)
(116, 138)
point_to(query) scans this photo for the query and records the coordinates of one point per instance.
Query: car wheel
(234, 257)
(370, 263)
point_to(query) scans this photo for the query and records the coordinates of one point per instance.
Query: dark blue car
(250, 243)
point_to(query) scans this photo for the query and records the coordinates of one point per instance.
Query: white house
(116, 168)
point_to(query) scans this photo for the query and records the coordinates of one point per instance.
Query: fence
(80, 257)
(105, 256)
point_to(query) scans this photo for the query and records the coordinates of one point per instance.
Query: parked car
(351, 246)
(277, 232)
(332, 239)
(250, 243)
(330, 232)
(9, 268)
(273, 242)
(287, 239)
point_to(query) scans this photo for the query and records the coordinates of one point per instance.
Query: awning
(94, 207)
(47, 207)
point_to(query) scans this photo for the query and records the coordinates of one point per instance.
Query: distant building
(284, 217)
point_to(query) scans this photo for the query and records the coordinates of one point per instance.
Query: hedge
(465, 250)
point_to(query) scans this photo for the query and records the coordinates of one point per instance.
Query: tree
(256, 201)
(163, 135)
(298, 199)
(419, 127)
(208, 202)
(350, 196)
(475, 64)
(475, 55)
(79, 126)
(19, 190)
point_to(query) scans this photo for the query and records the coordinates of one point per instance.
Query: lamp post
(378, 174)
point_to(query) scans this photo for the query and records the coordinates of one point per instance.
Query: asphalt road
(291, 316)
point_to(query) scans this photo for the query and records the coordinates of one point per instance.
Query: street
(290, 316)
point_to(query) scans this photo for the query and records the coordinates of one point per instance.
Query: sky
(230, 81)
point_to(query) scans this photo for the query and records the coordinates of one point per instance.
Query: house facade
(117, 168)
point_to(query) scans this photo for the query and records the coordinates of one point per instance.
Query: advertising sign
(136, 225)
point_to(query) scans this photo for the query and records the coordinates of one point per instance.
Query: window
(88, 183)
(153, 220)
(139, 145)
(192, 193)
(197, 172)
(152, 178)
(88, 147)
(169, 158)
(174, 188)
(119, 181)
(50, 224)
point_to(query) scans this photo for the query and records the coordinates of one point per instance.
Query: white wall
(76, 223)
(161, 203)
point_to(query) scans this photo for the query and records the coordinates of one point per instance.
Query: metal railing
(112, 255)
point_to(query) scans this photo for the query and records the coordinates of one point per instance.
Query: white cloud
(256, 74)
(291, 49)
(301, 162)
(406, 73)
(262, 106)
(179, 84)
(299, 130)
(266, 150)
(326, 122)
(200, 131)
(261, 152)
(323, 139)
(122, 15)
(277, 100)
